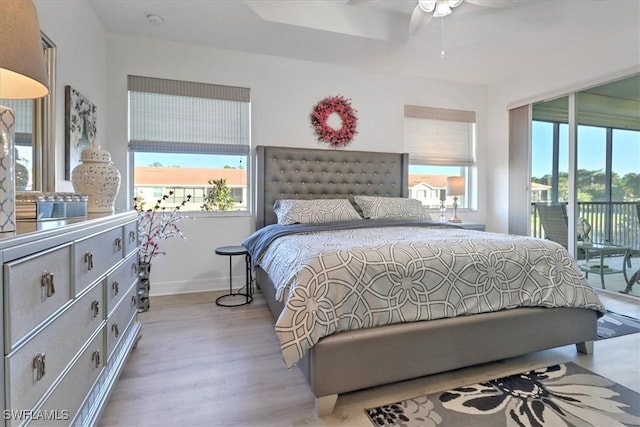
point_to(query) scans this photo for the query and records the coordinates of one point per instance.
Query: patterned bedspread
(338, 280)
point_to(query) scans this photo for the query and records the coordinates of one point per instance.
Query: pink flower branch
(155, 225)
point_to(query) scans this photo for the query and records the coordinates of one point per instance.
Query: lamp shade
(455, 186)
(23, 74)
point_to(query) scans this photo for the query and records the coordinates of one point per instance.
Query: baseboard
(191, 286)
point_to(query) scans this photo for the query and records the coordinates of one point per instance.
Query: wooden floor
(198, 364)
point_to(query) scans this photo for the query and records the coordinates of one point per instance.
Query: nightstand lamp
(22, 76)
(455, 188)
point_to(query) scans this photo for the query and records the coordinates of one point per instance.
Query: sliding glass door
(599, 189)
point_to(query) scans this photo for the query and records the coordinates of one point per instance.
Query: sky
(192, 160)
(591, 149)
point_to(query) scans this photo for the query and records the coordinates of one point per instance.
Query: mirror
(34, 133)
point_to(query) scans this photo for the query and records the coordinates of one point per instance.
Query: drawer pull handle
(48, 284)
(114, 287)
(132, 236)
(39, 365)
(96, 358)
(114, 329)
(95, 308)
(118, 244)
(88, 259)
(134, 303)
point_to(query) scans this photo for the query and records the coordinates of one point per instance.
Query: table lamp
(455, 188)
(23, 75)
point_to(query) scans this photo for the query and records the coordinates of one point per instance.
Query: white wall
(80, 62)
(527, 89)
(283, 92)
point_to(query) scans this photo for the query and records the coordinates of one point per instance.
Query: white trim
(572, 182)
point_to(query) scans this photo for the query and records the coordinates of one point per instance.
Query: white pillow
(374, 207)
(298, 211)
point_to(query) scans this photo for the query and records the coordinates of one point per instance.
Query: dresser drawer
(122, 315)
(120, 280)
(130, 237)
(66, 399)
(95, 255)
(35, 287)
(58, 343)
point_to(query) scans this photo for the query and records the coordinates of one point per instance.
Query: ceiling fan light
(427, 5)
(442, 8)
(454, 3)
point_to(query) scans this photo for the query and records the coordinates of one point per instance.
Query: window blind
(23, 111)
(437, 136)
(187, 117)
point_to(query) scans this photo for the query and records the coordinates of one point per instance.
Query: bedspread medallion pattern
(340, 280)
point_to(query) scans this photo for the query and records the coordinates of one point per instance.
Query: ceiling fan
(425, 10)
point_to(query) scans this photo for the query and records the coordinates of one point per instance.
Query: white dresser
(69, 317)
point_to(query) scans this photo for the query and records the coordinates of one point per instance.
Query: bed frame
(358, 359)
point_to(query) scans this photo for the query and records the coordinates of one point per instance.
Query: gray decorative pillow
(292, 211)
(374, 207)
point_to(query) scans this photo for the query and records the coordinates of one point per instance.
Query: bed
(355, 359)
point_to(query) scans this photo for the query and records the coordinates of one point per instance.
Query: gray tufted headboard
(302, 173)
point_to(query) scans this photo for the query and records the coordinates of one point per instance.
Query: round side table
(232, 251)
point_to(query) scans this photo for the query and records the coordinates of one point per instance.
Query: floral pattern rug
(559, 395)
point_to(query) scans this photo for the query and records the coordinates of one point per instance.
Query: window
(607, 181)
(440, 143)
(549, 162)
(601, 177)
(186, 135)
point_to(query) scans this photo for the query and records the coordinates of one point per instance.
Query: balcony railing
(616, 223)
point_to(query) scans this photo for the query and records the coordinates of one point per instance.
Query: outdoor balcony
(614, 223)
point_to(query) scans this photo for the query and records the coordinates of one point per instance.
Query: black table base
(231, 251)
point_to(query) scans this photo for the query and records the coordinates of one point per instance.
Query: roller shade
(437, 136)
(187, 117)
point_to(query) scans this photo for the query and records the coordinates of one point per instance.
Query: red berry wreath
(342, 107)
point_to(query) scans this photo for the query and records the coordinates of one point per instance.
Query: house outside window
(185, 135)
(440, 143)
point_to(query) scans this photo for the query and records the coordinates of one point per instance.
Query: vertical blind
(186, 117)
(437, 136)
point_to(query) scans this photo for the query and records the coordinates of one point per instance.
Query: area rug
(559, 395)
(614, 325)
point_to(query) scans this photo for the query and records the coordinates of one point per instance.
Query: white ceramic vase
(98, 178)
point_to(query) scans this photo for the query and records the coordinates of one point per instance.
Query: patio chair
(554, 221)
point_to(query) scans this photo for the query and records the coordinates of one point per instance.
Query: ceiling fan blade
(419, 18)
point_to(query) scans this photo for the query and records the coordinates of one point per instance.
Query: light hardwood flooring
(198, 364)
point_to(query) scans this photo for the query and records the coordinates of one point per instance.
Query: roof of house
(433, 181)
(182, 176)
